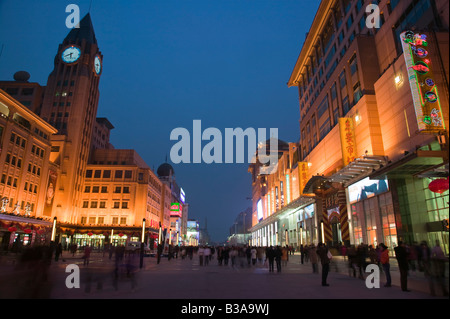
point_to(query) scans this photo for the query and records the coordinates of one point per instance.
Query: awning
(418, 164)
(358, 169)
(317, 181)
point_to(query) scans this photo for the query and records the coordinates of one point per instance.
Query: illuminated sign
(366, 188)
(348, 140)
(423, 88)
(260, 210)
(175, 210)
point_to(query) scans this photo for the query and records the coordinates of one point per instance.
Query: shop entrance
(335, 231)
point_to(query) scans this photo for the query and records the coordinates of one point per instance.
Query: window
(353, 65)
(116, 205)
(89, 173)
(102, 204)
(123, 220)
(118, 174)
(106, 173)
(97, 174)
(92, 220)
(101, 220)
(118, 190)
(87, 189)
(83, 220)
(104, 189)
(342, 80)
(345, 105)
(325, 128)
(85, 204)
(128, 174)
(94, 204)
(323, 107)
(357, 94)
(95, 189)
(126, 190)
(124, 205)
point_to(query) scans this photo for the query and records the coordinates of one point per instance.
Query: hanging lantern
(439, 185)
(12, 229)
(120, 234)
(27, 231)
(90, 234)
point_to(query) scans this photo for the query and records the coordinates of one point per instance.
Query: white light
(398, 79)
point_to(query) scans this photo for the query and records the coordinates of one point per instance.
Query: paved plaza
(186, 279)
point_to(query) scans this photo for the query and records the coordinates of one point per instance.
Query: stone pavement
(179, 279)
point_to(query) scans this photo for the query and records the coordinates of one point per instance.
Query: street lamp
(54, 230)
(142, 244)
(321, 230)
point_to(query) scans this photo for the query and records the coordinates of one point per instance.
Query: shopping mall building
(371, 165)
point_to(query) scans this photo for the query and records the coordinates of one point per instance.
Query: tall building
(373, 127)
(70, 104)
(59, 162)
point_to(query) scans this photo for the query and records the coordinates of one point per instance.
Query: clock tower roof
(85, 31)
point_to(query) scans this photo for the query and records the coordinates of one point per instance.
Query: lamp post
(142, 244)
(321, 230)
(53, 230)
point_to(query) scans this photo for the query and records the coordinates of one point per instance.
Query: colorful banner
(302, 176)
(51, 187)
(348, 140)
(423, 87)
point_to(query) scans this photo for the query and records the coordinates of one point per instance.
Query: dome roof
(165, 170)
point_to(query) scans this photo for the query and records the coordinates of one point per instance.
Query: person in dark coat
(278, 254)
(270, 255)
(402, 258)
(322, 252)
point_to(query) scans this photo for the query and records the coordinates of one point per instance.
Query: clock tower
(70, 105)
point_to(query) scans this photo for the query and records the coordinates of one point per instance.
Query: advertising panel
(366, 188)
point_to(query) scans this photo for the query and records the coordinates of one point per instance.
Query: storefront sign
(175, 210)
(348, 140)
(302, 175)
(423, 88)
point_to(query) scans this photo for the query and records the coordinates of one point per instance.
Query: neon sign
(423, 86)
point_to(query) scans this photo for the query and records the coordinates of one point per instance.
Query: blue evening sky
(169, 62)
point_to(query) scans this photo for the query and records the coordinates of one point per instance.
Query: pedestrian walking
(323, 253)
(314, 259)
(201, 253)
(254, 253)
(270, 256)
(87, 255)
(207, 255)
(302, 254)
(58, 251)
(278, 256)
(384, 260)
(402, 258)
(284, 256)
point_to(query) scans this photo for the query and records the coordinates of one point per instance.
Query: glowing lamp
(439, 185)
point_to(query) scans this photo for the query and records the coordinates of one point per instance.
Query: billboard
(176, 210)
(366, 188)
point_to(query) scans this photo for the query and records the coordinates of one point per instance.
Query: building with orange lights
(59, 165)
(373, 101)
(25, 149)
(373, 127)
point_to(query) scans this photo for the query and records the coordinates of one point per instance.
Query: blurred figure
(384, 260)
(254, 253)
(207, 255)
(438, 260)
(270, 256)
(201, 253)
(322, 252)
(314, 259)
(402, 258)
(278, 257)
(284, 256)
(87, 255)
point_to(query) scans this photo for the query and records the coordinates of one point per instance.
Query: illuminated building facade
(371, 155)
(26, 186)
(58, 162)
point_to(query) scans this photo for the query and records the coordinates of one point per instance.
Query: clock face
(71, 54)
(97, 65)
